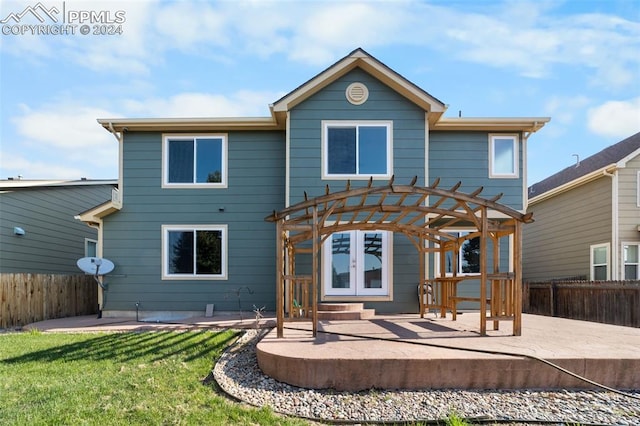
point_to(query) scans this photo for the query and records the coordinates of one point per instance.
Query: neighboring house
(38, 231)
(189, 226)
(587, 219)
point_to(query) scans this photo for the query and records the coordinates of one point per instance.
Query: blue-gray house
(187, 228)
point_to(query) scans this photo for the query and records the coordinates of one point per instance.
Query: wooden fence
(610, 302)
(27, 298)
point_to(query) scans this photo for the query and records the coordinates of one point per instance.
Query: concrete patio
(409, 352)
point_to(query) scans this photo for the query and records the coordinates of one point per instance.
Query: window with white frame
(468, 261)
(358, 149)
(194, 161)
(503, 156)
(631, 261)
(90, 247)
(600, 262)
(194, 251)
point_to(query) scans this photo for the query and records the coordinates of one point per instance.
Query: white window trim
(191, 136)
(193, 277)
(624, 264)
(348, 123)
(86, 246)
(516, 150)
(591, 260)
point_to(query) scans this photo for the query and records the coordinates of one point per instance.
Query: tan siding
(557, 244)
(628, 209)
(629, 212)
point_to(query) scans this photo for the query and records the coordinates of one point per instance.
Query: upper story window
(194, 161)
(358, 149)
(194, 252)
(503, 156)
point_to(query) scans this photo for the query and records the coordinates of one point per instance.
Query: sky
(576, 61)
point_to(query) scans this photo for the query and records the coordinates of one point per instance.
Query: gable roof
(612, 157)
(356, 59)
(361, 59)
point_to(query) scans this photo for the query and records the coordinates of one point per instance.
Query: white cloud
(240, 104)
(618, 119)
(61, 137)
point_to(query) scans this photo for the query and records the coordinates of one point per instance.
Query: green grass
(152, 378)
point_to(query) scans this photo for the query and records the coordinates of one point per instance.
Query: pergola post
(517, 276)
(483, 271)
(280, 272)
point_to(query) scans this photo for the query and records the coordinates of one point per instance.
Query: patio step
(344, 311)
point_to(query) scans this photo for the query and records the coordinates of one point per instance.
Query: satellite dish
(95, 265)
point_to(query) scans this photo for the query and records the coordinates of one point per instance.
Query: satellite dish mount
(97, 267)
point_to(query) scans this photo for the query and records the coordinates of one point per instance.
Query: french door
(356, 263)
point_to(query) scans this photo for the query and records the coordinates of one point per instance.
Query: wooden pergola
(423, 215)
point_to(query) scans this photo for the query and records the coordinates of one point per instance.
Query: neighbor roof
(613, 156)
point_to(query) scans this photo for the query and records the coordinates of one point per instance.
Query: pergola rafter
(422, 214)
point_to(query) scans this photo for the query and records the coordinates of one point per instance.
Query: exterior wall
(628, 206)
(132, 236)
(408, 160)
(464, 156)
(53, 239)
(557, 244)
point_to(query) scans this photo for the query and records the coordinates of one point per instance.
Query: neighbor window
(468, 261)
(356, 149)
(194, 252)
(638, 190)
(503, 156)
(194, 161)
(631, 261)
(600, 262)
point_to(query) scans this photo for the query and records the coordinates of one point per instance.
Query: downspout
(614, 222)
(615, 273)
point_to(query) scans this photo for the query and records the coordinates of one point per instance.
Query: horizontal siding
(408, 161)
(464, 157)
(557, 244)
(628, 202)
(53, 239)
(133, 235)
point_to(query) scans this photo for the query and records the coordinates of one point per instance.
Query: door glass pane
(372, 154)
(373, 260)
(470, 256)
(180, 161)
(209, 160)
(180, 252)
(341, 150)
(341, 260)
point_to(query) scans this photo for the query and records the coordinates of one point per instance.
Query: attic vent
(357, 93)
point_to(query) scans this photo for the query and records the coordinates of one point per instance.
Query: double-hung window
(631, 261)
(468, 260)
(194, 161)
(194, 252)
(503, 156)
(360, 149)
(600, 262)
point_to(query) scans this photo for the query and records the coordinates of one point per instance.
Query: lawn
(149, 378)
